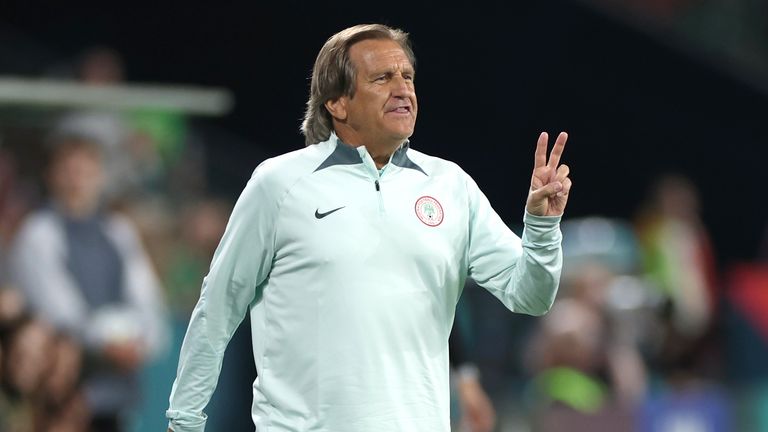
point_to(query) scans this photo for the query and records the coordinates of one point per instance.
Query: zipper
(376, 176)
(381, 198)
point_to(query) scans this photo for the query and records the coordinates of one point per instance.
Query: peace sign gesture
(550, 184)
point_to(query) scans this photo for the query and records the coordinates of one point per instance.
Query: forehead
(372, 54)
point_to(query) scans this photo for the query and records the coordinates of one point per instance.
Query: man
(350, 255)
(85, 271)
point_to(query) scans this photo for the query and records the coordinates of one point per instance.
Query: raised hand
(550, 184)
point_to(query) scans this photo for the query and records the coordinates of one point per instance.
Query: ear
(337, 108)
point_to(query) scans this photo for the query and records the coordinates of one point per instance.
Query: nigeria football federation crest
(429, 211)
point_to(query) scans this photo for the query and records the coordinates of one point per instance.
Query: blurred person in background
(62, 406)
(26, 362)
(40, 379)
(350, 265)
(575, 386)
(679, 262)
(85, 271)
(101, 66)
(587, 355)
(132, 159)
(678, 258)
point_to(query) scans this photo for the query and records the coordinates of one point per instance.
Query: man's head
(362, 82)
(75, 174)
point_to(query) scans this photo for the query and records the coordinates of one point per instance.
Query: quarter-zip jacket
(351, 277)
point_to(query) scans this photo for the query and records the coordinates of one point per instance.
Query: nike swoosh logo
(322, 215)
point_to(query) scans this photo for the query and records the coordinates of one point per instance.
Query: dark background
(489, 78)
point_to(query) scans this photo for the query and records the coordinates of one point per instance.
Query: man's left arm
(523, 273)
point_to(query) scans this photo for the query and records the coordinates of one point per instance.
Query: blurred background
(134, 128)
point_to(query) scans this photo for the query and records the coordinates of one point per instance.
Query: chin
(401, 133)
(401, 136)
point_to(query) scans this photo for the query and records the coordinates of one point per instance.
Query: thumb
(545, 192)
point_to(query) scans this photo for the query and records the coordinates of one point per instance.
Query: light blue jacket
(351, 277)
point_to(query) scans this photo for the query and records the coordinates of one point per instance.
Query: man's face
(384, 104)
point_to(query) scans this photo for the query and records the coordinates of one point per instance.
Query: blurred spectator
(145, 150)
(85, 271)
(39, 373)
(602, 271)
(589, 372)
(574, 385)
(131, 161)
(62, 405)
(26, 360)
(679, 261)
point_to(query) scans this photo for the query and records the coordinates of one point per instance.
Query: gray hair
(333, 75)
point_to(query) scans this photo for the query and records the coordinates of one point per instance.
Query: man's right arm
(240, 265)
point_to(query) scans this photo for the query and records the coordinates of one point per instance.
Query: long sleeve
(523, 273)
(38, 267)
(241, 264)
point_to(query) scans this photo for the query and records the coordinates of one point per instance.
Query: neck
(381, 158)
(381, 151)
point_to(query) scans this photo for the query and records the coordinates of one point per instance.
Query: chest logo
(319, 215)
(429, 211)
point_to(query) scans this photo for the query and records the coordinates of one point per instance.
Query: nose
(402, 87)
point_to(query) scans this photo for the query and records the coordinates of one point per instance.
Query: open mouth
(401, 110)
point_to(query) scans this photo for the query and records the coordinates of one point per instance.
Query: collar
(345, 154)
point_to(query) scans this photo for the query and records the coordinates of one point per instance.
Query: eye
(408, 76)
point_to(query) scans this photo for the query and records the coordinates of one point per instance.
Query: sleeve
(523, 274)
(239, 267)
(38, 268)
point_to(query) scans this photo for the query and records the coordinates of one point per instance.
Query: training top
(351, 275)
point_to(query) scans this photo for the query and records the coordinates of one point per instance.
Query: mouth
(400, 110)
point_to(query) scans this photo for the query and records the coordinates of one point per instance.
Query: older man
(350, 256)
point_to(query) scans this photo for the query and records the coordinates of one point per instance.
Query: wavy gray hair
(333, 75)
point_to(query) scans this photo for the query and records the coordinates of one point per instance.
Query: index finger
(540, 158)
(557, 150)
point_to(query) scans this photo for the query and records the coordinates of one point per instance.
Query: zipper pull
(378, 188)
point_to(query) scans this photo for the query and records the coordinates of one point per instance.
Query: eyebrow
(390, 71)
